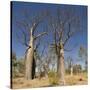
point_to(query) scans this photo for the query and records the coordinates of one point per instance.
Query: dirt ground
(80, 79)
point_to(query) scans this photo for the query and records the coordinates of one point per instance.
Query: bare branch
(42, 52)
(39, 35)
(37, 45)
(70, 34)
(34, 26)
(38, 19)
(24, 41)
(70, 20)
(56, 47)
(68, 50)
(23, 24)
(71, 49)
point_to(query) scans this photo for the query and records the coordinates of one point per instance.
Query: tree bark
(60, 66)
(30, 60)
(33, 68)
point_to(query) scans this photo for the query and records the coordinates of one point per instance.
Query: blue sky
(79, 38)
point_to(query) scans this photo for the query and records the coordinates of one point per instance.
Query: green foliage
(14, 72)
(14, 64)
(77, 68)
(83, 52)
(18, 66)
(21, 66)
(53, 78)
(14, 69)
(67, 71)
(83, 56)
(70, 64)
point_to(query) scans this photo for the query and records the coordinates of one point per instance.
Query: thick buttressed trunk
(30, 61)
(60, 66)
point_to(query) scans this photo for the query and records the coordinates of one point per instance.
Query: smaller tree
(77, 68)
(21, 66)
(70, 65)
(39, 61)
(83, 55)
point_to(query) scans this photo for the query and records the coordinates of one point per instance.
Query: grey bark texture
(30, 59)
(60, 65)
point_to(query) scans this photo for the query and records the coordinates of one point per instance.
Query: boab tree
(31, 23)
(64, 24)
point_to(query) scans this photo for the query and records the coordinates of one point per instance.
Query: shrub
(53, 78)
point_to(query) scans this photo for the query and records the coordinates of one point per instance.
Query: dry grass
(80, 79)
(22, 83)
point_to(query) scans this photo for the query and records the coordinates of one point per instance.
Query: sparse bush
(53, 78)
(21, 66)
(77, 69)
(18, 68)
(14, 71)
(67, 71)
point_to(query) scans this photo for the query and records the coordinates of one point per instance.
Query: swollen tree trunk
(30, 67)
(30, 61)
(60, 66)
